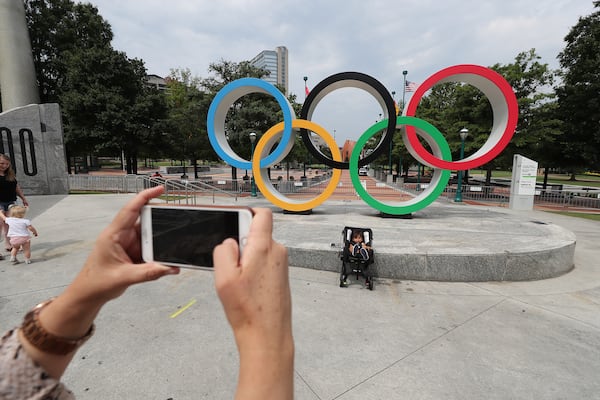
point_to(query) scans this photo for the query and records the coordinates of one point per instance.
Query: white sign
(524, 176)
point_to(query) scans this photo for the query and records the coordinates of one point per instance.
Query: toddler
(19, 229)
(357, 246)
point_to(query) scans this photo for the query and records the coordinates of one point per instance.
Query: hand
(115, 262)
(255, 294)
(111, 267)
(255, 290)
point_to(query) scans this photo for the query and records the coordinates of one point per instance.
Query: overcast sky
(377, 37)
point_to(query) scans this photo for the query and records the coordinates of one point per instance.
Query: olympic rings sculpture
(498, 91)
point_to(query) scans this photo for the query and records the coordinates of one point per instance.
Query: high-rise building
(276, 62)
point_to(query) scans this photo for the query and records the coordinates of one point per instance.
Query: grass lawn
(593, 217)
(582, 180)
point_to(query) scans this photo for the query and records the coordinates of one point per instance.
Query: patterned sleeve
(22, 379)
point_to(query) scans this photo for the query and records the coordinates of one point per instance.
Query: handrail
(190, 188)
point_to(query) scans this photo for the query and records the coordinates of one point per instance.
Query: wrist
(34, 331)
(68, 317)
(258, 346)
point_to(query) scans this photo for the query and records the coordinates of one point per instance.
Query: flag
(410, 86)
(306, 91)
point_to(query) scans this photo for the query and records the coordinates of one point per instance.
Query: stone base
(33, 137)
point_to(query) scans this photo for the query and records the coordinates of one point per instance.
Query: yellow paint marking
(188, 305)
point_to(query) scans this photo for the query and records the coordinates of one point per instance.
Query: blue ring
(264, 87)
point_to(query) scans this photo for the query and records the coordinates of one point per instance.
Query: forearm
(65, 317)
(267, 374)
(20, 194)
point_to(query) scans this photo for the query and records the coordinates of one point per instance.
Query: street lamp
(391, 141)
(252, 186)
(305, 87)
(464, 132)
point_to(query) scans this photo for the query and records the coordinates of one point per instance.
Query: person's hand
(115, 262)
(255, 294)
(113, 265)
(255, 289)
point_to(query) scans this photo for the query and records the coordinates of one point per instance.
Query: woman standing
(9, 190)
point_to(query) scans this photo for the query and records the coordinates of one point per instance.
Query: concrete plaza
(406, 339)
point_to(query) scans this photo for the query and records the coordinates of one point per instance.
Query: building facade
(276, 62)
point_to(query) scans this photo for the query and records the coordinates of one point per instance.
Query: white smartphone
(185, 236)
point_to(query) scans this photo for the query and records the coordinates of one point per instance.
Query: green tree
(188, 108)
(452, 106)
(106, 106)
(60, 26)
(256, 112)
(579, 94)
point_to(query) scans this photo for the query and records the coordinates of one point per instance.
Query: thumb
(226, 260)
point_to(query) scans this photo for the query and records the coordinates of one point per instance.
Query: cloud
(379, 37)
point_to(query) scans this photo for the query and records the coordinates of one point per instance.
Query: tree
(60, 26)
(453, 106)
(106, 106)
(579, 94)
(256, 112)
(538, 130)
(188, 108)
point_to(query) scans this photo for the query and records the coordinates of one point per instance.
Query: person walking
(19, 232)
(9, 190)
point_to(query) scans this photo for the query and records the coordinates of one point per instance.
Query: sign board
(524, 176)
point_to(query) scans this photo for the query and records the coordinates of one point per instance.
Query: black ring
(361, 81)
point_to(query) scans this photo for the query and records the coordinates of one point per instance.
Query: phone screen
(184, 236)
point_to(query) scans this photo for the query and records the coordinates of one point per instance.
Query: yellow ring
(261, 174)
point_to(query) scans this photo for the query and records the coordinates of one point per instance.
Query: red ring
(469, 162)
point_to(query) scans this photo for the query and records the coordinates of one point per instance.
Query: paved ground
(405, 339)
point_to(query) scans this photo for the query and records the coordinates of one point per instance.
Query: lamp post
(252, 186)
(305, 87)
(464, 132)
(391, 141)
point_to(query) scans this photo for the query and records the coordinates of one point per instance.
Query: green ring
(438, 144)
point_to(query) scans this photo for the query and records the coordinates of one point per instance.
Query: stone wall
(32, 136)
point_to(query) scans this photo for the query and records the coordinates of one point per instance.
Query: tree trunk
(545, 177)
(134, 162)
(69, 166)
(488, 176)
(195, 164)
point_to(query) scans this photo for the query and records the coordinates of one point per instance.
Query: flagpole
(404, 73)
(391, 141)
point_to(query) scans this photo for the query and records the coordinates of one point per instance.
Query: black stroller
(357, 262)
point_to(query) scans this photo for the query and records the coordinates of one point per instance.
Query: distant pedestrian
(157, 175)
(9, 190)
(19, 232)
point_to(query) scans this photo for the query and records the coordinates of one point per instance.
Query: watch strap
(40, 338)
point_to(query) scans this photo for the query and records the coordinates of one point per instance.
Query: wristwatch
(35, 334)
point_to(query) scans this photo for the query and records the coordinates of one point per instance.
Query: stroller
(357, 263)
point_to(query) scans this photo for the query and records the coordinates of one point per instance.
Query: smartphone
(185, 236)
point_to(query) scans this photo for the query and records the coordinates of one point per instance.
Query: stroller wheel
(343, 276)
(343, 280)
(370, 283)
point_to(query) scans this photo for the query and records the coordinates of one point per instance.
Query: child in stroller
(357, 255)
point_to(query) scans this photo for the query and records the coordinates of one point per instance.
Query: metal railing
(187, 191)
(176, 190)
